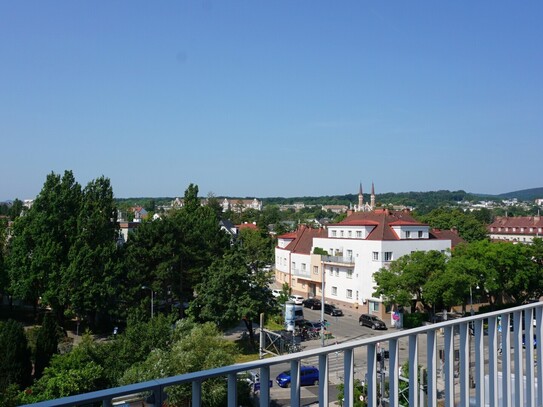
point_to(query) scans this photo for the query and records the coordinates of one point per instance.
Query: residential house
(350, 252)
(521, 229)
(241, 205)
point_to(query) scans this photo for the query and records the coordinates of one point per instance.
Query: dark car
(372, 321)
(309, 325)
(312, 303)
(309, 375)
(332, 310)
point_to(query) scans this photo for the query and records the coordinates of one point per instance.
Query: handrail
(489, 355)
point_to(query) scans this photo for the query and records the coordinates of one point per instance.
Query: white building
(354, 250)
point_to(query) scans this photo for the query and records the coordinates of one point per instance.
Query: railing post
(323, 380)
(265, 386)
(348, 380)
(493, 390)
(196, 393)
(295, 383)
(432, 368)
(448, 355)
(393, 373)
(232, 390)
(506, 360)
(413, 370)
(519, 371)
(465, 371)
(539, 354)
(479, 363)
(372, 375)
(529, 356)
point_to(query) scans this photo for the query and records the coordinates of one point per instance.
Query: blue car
(309, 375)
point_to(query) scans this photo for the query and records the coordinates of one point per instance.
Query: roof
(382, 220)
(451, 235)
(247, 226)
(303, 241)
(517, 222)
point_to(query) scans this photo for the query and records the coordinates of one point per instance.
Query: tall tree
(90, 280)
(42, 241)
(231, 292)
(15, 363)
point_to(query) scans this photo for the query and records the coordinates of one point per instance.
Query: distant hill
(524, 194)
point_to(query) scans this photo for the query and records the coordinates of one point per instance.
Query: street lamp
(144, 287)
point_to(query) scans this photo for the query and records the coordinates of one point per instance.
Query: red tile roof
(382, 220)
(517, 222)
(304, 239)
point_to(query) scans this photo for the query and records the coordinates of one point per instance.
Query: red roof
(304, 239)
(382, 220)
(247, 226)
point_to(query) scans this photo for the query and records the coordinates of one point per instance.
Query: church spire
(360, 199)
(372, 200)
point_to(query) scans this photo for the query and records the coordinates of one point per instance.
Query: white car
(297, 299)
(276, 292)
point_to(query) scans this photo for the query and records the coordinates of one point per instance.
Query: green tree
(257, 247)
(502, 271)
(230, 292)
(91, 281)
(39, 253)
(46, 344)
(195, 347)
(407, 277)
(469, 227)
(69, 374)
(15, 363)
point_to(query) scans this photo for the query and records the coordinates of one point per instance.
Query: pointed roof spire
(360, 190)
(372, 189)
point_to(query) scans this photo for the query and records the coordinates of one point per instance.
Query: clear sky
(272, 98)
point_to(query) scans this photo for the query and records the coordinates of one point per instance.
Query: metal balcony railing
(338, 259)
(472, 361)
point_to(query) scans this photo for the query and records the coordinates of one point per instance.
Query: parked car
(312, 303)
(297, 299)
(309, 375)
(314, 326)
(276, 292)
(371, 321)
(332, 310)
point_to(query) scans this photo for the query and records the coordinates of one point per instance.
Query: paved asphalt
(345, 328)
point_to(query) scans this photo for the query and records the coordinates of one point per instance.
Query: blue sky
(277, 98)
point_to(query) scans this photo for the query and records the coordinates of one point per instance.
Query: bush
(414, 320)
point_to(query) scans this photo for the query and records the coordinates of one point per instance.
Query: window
(349, 274)
(374, 306)
(349, 254)
(315, 269)
(341, 233)
(359, 233)
(388, 256)
(349, 293)
(334, 290)
(334, 233)
(337, 272)
(375, 256)
(303, 266)
(407, 234)
(420, 234)
(331, 271)
(350, 233)
(293, 265)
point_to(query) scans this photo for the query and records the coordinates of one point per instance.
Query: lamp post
(323, 327)
(144, 287)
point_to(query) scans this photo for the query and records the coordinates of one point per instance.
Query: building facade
(521, 229)
(346, 255)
